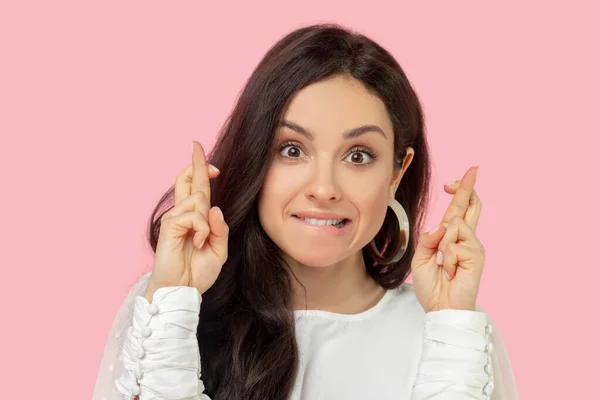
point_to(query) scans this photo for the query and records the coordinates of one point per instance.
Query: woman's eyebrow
(352, 133)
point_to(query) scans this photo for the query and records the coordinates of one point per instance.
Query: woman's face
(326, 192)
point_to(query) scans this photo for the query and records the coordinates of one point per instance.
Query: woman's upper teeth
(315, 221)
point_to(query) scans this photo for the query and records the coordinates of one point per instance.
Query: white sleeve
(152, 351)
(504, 378)
(463, 357)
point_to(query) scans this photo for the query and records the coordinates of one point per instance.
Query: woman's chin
(317, 259)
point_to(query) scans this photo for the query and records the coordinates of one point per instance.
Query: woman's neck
(344, 288)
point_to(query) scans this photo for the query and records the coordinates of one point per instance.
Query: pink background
(99, 102)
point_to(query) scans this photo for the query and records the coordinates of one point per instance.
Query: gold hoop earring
(404, 227)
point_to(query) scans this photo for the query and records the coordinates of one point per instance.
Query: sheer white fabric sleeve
(152, 351)
(504, 377)
(463, 357)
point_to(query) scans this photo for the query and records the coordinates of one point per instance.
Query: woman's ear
(399, 173)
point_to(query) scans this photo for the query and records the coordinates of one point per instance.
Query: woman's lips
(318, 215)
(319, 225)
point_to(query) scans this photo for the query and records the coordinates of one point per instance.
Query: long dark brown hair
(246, 331)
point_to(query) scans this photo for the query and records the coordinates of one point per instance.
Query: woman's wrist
(153, 287)
(150, 290)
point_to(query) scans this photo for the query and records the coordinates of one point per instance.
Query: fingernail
(476, 172)
(201, 244)
(434, 229)
(213, 168)
(453, 183)
(220, 214)
(446, 274)
(439, 258)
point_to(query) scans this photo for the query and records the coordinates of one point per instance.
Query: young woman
(280, 274)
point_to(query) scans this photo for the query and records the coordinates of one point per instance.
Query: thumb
(219, 233)
(427, 246)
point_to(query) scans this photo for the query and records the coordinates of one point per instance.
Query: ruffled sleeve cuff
(456, 359)
(160, 356)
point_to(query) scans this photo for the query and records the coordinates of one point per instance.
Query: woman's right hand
(192, 243)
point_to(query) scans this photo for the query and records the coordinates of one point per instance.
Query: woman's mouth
(337, 223)
(331, 225)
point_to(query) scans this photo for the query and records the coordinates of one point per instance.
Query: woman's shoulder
(406, 298)
(403, 299)
(402, 302)
(405, 293)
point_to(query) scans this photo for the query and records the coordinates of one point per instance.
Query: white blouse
(392, 351)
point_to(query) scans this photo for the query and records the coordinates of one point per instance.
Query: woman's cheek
(370, 197)
(283, 180)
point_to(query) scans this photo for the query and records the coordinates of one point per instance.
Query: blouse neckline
(348, 317)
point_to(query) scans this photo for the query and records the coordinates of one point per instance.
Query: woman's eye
(291, 151)
(359, 157)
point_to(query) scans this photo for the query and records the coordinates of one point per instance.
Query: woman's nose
(323, 186)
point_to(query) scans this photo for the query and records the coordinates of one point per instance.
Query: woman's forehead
(336, 105)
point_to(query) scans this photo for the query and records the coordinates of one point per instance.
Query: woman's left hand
(455, 283)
